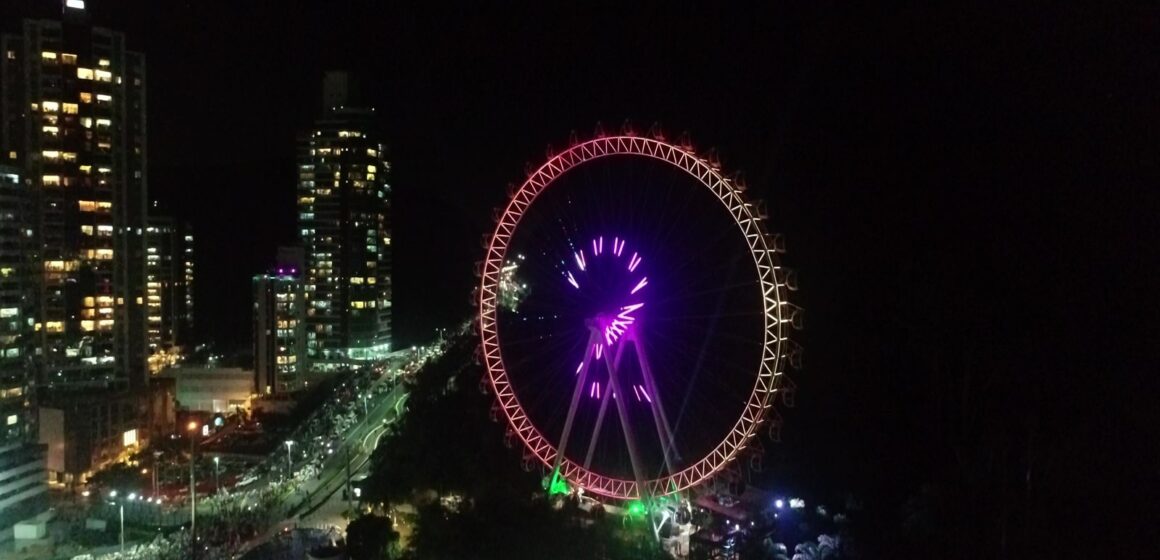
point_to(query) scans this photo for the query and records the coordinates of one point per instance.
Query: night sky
(963, 193)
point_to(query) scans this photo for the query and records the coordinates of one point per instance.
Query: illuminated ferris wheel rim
(773, 290)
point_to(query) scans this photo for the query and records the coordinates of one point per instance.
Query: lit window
(51, 130)
(87, 122)
(103, 75)
(86, 97)
(104, 98)
(12, 419)
(54, 326)
(72, 108)
(87, 230)
(88, 325)
(11, 55)
(75, 4)
(104, 63)
(68, 58)
(50, 154)
(85, 73)
(104, 122)
(50, 180)
(48, 56)
(49, 106)
(68, 156)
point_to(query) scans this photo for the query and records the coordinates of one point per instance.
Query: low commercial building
(85, 433)
(211, 389)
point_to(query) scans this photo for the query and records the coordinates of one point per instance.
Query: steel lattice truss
(773, 281)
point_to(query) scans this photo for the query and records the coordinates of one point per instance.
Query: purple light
(633, 262)
(615, 325)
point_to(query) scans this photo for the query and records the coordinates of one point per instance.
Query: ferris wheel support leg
(581, 377)
(600, 415)
(664, 429)
(626, 427)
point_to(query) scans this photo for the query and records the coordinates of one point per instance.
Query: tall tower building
(72, 116)
(344, 204)
(23, 480)
(168, 288)
(279, 331)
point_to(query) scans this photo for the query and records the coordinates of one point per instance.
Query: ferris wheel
(649, 339)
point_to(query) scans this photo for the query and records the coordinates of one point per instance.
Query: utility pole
(349, 490)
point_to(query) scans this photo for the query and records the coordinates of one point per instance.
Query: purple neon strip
(643, 282)
(572, 280)
(636, 392)
(633, 262)
(580, 259)
(645, 393)
(579, 367)
(625, 312)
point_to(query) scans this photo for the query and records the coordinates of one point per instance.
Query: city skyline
(958, 189)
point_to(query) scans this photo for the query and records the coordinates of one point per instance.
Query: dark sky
(963, 191)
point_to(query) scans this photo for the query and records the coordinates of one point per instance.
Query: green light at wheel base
(636, 508)
(558, 485)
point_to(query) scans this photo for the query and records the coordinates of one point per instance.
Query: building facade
(72, 116)
(168, 289)
(344, 203)
(23, 482)
(279, 332)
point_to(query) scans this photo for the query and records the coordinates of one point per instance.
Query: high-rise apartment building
(279, 331)
(344, 203)
(72, 116)
(168, 288)
(23, 480)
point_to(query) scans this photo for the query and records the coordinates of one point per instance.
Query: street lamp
(217, 485)
(121, 505)
(289, 459)
(192, 427)
(156, 456)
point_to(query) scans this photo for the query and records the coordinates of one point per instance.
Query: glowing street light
(289, 458)
(192, 427)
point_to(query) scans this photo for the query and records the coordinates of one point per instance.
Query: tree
(370, 537)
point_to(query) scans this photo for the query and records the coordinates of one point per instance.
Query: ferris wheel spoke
(626, 425)
(581, 377)
(656, 406)
(600, 415)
